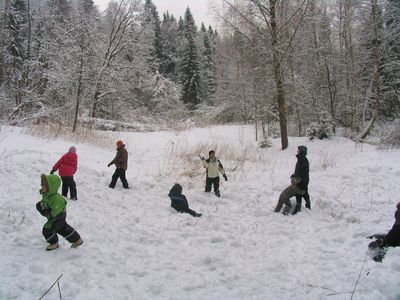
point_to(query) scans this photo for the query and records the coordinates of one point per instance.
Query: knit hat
(120, 143)
(72, 149)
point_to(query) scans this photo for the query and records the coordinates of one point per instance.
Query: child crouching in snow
(53, 207)
(179, 201)
(391, 239)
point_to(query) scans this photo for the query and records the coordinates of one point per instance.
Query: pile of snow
(137, 247)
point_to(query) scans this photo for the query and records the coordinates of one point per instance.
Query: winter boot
(308, 203)
(296, 209)
(217, 194)
(77, 243)
(52, 246)
(197, 215)
(286, 210)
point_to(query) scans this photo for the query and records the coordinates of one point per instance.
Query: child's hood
(176, 190)
(53, 182)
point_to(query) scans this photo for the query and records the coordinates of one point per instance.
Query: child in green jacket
(53, 207)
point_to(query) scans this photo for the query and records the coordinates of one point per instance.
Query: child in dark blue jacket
(179, 201)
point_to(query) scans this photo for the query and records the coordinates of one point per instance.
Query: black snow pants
(60, 226)
(119, 173)
(210, 182)
(69, 183)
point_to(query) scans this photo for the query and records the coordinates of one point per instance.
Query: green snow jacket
(52, 201)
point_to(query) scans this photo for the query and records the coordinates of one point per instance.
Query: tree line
(301, 61)
(65, 58)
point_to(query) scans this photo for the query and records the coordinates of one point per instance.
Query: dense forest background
(285, 66)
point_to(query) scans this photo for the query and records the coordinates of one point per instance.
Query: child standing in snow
(67, 166)
(299, 184)
(179, 201)
(213, 167)
(121, 162)
(53, 207)
(391, 239)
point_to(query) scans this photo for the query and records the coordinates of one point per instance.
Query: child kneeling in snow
(179, 201)
(391, 239)
(53, 207)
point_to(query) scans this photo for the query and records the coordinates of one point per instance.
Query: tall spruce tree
(209, 69)
(153, 24)
(190, 73)
(170, 41)
(16, 24)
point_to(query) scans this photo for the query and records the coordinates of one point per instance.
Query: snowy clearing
(137, 247)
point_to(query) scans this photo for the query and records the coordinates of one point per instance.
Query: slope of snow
(137, 247)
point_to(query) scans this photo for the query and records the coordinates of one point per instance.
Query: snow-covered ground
(136, 247)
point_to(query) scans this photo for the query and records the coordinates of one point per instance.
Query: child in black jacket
(179, 201)
(383, 241)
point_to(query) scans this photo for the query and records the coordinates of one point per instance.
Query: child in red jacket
(67, 166)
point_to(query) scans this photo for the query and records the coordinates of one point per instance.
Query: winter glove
(40, 208)
(226, 178)
(52, 172)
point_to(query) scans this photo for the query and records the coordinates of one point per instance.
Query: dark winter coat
(121, 159)
(67, 164)
(178, 200)
(393, 237)
(302, 171)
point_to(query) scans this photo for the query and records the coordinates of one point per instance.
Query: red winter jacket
(67, 164)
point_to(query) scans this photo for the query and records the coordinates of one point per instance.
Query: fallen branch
(321, 287)
(59, 289)
(359, 276)
(52, 287)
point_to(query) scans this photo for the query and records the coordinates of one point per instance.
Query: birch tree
(122, 17)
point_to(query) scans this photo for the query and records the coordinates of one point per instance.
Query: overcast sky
(199, 9)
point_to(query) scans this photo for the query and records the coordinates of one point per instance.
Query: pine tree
(153, 23)
(16, 21)
(190, 73)
(170, 41)
(209, 69)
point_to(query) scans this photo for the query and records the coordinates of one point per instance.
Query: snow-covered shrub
(51, 130)
(264, 144)
(274, 131)
(322, 129)
(392, 139)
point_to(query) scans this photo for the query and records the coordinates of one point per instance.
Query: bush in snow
(392, 140)
(264, 144)
(322, 129)
(274, 131)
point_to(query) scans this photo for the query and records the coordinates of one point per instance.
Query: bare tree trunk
(29, 17)
(117, 41)
(79, 91)
(332, 100)
(278, 75)
(376, 52)
(350, 65)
